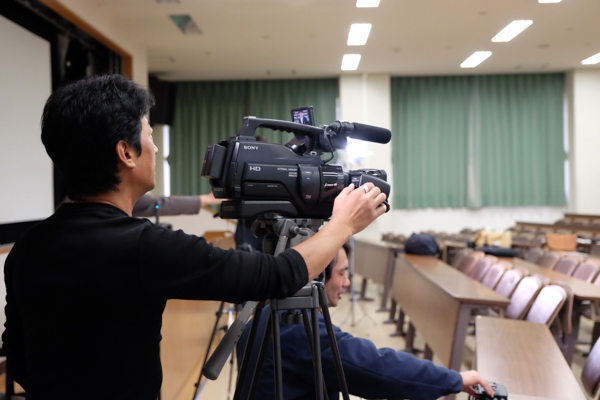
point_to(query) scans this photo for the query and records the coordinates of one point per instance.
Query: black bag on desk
(497, 251)
(421, 244)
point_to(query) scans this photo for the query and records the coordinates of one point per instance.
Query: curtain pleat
(208, 112)
(474, 141)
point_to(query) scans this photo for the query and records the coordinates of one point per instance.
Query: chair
(564, 221)
(534, 254)
(548, 260)
(586, 271)
(508, 282)
(491, 259)
(479, 269)
(460, 255)
(543, 278)
(547, 304)
(523, 297)
(469, 262)
(493, 276)
(566, 266)
(563, 321)
(590, 375)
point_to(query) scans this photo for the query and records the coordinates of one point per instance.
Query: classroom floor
(363, 320)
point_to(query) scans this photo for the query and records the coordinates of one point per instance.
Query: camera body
(290, 180)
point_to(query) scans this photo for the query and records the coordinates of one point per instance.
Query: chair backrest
(543, 278)
(547, 304)
(566, 312)
(586, 271)
(548, 260)
(493, 276)
(523, 297)
(491, 259)
(534, 254)
(508, 282)
(590, 375)
(467, 263)
(566, 266)
(460, 255)
(479, 269)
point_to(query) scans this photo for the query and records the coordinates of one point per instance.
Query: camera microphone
(365, 132)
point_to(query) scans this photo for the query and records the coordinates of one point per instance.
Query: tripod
(312, 297)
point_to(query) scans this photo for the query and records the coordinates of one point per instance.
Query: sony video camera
(290, 180)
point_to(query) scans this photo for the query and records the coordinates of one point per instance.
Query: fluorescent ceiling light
(350, 62)
(368, 3)
(549, 1)
(359, 33)
(476, 58)
(513, 29)
(595, 59)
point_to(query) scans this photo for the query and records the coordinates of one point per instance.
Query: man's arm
(13, 342)
(172, 205)
(386, 373)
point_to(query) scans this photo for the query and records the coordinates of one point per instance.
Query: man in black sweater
(86, 288)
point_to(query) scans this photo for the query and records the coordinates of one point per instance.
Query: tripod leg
(309, 335)
(336, 354)
(212, 338)
(261, 359)
(248, 350)
(277, 355)
(317, 351)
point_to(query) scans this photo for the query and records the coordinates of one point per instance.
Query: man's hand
(353, 210)
(356, 208)
(471, 378)
(209, 199)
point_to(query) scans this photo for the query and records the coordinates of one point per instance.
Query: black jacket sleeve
(177, 265)
(13, 342)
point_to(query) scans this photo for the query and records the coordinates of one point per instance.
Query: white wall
(583, 91)
(93, 13)
(367, 99)
(26, 174)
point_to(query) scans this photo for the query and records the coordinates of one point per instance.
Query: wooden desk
(524, 357)
(375, 260)
(570, 227)
(439, 299)
(581, 291)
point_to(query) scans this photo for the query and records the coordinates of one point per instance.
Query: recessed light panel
(350, 62)
(595, 59)
(367, 3)
(186, 24)
(476, 58)
(549, 1)
(513, 29)
(359, 33)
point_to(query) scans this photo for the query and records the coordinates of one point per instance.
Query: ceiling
(261, 39)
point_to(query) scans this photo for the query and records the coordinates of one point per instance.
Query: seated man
(370, 372)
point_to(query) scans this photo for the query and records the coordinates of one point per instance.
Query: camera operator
(86, 288)
(370, 372)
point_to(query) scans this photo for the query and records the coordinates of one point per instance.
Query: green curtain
(208, 112)
(475, 141)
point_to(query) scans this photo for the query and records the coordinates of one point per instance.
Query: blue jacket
(370, 372)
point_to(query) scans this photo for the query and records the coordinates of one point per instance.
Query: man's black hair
(82, 124)
(348, 249)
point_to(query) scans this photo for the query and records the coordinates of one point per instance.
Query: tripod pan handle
(215, 363)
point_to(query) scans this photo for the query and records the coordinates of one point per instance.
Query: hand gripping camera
(290, 180)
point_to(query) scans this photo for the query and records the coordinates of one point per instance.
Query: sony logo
(250, 147)
(330, 184)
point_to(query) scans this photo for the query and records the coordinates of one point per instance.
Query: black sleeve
(172, 205)
(13, 342)
(177, 265)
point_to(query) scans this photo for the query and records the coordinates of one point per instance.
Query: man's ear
(125, 154)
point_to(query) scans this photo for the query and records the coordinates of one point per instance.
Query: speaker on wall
(164, 92)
